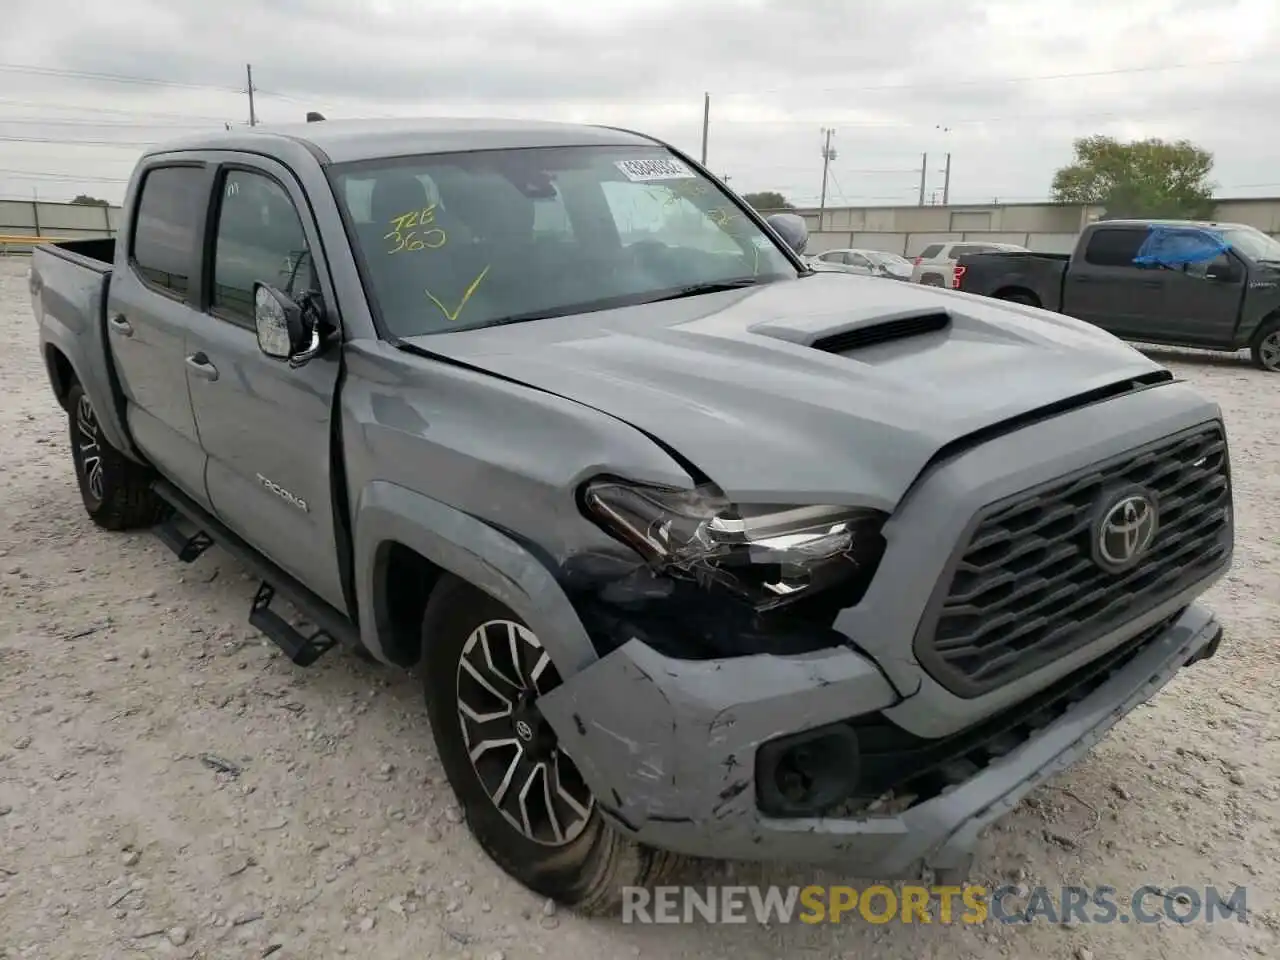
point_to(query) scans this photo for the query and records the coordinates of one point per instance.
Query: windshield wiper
(712, 286)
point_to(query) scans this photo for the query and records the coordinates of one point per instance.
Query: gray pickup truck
(697, 551)
(1230, 302)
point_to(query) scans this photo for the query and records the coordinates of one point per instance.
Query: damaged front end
(716, 579)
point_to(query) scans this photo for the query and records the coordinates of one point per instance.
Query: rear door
(149, 312)
(1105, 287)
(266, 427)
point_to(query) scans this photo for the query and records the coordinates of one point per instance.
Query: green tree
(87, 200)
(1143, 178)
(767, 200)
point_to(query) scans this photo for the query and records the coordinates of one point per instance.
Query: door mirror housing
(792, 229)
(1223, 271)
(286, 329)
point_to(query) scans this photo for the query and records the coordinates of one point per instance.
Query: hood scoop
(869, 329)
(884, 331)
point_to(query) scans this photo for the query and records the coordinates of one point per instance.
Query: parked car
(867, 263)
(695, 552)
(1230, 302)
(936, 264)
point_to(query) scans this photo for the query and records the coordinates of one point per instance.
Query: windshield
(1254, 244)
(456, 241)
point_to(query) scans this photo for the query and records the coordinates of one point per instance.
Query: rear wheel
(933, 280)
(116, 491)
(1265, 348)
(522, 796)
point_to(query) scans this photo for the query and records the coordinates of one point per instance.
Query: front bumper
(668, 747)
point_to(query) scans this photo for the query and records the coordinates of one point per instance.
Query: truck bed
(69, 284)
(1033, 278)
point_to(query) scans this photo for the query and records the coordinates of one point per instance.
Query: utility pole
(253, 116)
(946, 182)
(828, 155)
(924, 173)
(706, 124)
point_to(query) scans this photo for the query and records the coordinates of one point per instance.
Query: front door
(148, 314)
(266, 427)
(1203, 301)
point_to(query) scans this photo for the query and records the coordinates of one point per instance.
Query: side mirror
(1222, 272)
(285, 330)
(792, 229)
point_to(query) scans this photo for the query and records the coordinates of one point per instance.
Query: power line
(70, 177)
(1244, 107)
(80, 143)
(1033, 78)
(94, 108)
(112, 77)
(167, 125)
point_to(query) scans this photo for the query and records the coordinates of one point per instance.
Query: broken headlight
(768, 554)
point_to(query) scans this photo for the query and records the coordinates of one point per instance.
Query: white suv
(936, 265)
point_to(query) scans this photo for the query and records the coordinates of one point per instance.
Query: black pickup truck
(1230, 302)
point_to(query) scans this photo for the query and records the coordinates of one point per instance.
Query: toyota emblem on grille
(1124, 530)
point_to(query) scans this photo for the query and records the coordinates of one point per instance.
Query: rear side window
(164, 234)
(1114, 248)
(931, 251)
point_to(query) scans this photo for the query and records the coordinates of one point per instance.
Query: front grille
(1025, 589)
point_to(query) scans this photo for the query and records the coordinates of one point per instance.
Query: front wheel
(522, 796)
(115, 490)
(1265, 349)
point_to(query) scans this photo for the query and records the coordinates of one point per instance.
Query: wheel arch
(407, 544)
(1014, 291)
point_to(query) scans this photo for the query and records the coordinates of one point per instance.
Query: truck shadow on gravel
(1203, 358)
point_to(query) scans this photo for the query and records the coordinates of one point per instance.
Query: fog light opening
(808, 773)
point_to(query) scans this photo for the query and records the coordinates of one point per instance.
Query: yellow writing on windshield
(452, 315)
(413, 231)
(683, 190)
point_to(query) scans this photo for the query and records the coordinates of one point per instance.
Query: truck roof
(342, 141)
(1207, 224)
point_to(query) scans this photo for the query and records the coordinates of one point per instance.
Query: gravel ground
(123, 673)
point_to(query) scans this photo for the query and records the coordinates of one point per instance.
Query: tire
(116, 491)
(591, 864)
(933, 281)
(1265, 349)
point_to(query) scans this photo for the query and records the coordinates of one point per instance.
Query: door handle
(121, 326)
(199, 364)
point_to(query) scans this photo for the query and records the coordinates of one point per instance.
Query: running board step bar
(303, 650)
(186, 547)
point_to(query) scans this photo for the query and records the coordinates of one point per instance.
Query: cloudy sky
(1004, 85)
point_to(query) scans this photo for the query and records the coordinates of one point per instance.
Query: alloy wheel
(533, 783)
(1269, 351)
(90, 449)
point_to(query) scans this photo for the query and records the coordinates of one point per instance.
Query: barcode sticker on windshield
(640, 171)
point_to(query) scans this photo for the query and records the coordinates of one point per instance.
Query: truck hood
(780, 393)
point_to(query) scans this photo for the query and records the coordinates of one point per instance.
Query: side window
(1113, 248)
(164, 233)
(833, 256)
(931, 251)
(259, 238)
(858, 260)
(1221, 263)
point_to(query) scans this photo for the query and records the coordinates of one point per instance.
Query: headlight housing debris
(768, 554)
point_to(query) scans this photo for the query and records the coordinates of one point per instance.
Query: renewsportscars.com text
(937, 904)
